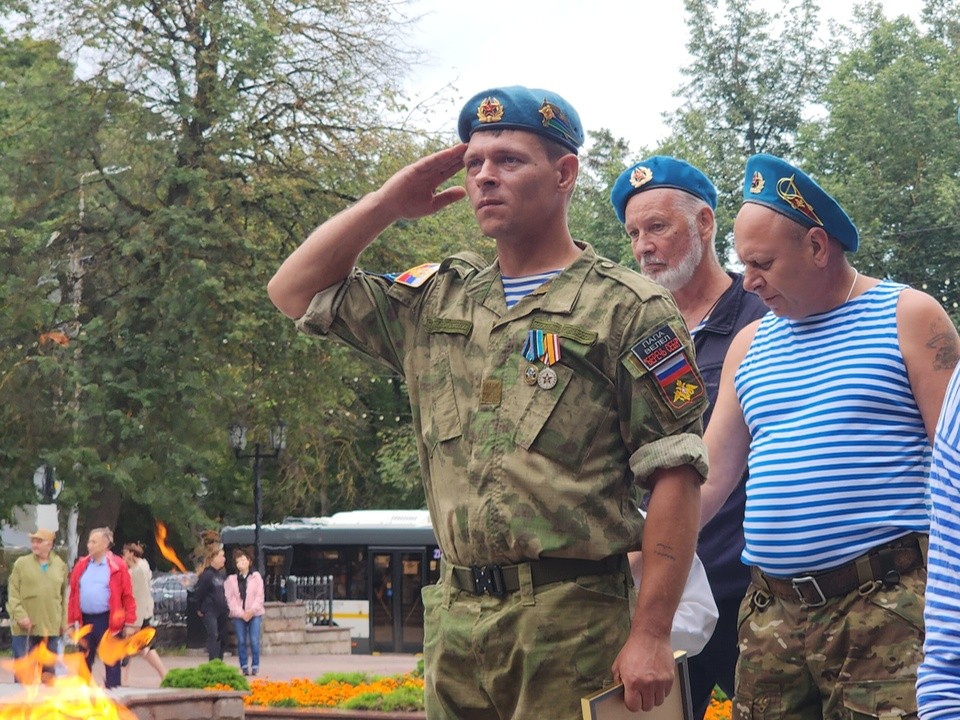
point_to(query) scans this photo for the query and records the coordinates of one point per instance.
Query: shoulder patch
(663, 355)
(657, 347)
(417, 276)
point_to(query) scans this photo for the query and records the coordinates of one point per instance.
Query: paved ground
(272, 667)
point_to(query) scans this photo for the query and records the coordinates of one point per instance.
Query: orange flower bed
(718, 710)
(307, 693)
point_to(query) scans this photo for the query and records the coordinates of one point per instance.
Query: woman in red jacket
(101, 596)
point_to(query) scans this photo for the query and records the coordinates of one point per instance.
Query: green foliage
(592, 218)
(215, 672)
(753, 74)
(888, 148)
(195, 156)
(347, 678)
(418, 671)
(285, 702)
(401, 699)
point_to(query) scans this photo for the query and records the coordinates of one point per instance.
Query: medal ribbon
(551, 350)
(541, 346)
(529, 350)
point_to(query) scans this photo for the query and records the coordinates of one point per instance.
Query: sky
(617, 62)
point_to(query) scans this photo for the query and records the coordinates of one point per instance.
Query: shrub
(418, 673)
(348, 678)
(402, 699)
(215, 672)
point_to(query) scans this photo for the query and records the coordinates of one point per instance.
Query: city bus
(378, 559)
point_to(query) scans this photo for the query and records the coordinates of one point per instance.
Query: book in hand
(607, 704)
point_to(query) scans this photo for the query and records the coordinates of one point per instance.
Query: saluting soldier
(548, 390)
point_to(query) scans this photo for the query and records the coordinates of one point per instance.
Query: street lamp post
(238, 441)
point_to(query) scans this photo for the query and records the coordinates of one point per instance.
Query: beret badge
(489, 110)
(553, 117)
(641, 176)
(756, 183)
(790, 194)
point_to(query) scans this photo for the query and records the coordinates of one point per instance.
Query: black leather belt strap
(498, 580)
(883, 564)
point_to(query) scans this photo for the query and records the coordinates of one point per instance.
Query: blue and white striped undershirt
(938, 684)
(517, 288)
(839, 453)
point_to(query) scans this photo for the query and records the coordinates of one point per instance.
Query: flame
(74, 695)
(77, 635)
(160, 535)
(113, 648)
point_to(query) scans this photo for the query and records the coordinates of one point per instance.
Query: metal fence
(316, 593)
(173, 596)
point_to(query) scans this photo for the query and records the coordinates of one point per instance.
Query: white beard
(675, 278)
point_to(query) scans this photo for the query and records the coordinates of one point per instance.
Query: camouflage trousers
(854, 657)
(526, 655)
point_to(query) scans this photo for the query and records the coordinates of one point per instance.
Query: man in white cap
(36, 597)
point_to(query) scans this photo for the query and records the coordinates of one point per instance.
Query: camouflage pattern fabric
(526, 655)
(514, 471)
(855, 657)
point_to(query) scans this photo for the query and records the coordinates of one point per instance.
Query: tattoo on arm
(664, 551)
(943, 341)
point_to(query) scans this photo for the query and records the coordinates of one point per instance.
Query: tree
(591, 215)
(888, 148)
(753, 75)
(219, 123)
(38, 193)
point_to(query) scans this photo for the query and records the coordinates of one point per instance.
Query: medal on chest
(541, 347)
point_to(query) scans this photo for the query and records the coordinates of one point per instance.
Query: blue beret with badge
(778, 185)
(661, 171)
(519, 108)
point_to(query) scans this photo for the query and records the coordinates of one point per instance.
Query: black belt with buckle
(883, 564)
(498, 580)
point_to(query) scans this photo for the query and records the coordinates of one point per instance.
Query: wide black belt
(883, 564)
(498, 580)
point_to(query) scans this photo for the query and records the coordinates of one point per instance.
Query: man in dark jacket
(212, 601)
(667, 207)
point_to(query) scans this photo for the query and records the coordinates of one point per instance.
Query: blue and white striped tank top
(839, 454)
(938, 684)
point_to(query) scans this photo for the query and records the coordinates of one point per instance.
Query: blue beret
(778, 185)
(661, 171)
(519, 108)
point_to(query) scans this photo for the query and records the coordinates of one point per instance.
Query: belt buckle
(812, 581)
(487, 579)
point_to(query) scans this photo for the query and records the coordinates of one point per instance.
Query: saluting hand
(412, 192)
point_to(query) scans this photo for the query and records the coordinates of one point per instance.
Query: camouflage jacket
(514, 471)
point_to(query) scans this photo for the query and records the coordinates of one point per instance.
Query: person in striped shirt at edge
(831, 400)
(938, 686)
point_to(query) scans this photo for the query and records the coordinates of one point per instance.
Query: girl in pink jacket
(244, 592)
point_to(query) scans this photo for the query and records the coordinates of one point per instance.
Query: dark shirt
(242, 587)
(721, 540)
(209, 592)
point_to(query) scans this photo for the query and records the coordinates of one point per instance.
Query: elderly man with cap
(548, 390)
(832, 399)
(36, 597)
(667, 208)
